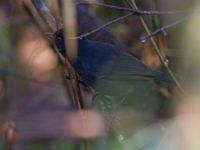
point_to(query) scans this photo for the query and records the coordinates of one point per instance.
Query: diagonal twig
(136, 11)
(162, 29)
(45, 13)
(103, 26)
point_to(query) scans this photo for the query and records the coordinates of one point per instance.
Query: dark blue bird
(115, 74)
(98, 60)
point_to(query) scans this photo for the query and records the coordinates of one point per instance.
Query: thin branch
(44, 12)
(103, 26)
(162, 29)
(33, 14)
(87, 21)
(136, 11)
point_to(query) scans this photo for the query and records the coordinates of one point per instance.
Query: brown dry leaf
(147, 52)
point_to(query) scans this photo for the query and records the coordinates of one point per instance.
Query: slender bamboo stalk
(162, 59)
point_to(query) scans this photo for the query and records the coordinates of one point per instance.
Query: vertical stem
(70, 29)
(162, 59)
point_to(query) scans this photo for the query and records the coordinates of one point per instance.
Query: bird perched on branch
(111, 71)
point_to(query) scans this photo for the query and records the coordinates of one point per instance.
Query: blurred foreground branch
(56, 125)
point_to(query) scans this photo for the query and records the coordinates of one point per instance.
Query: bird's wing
(124, 80)
(126, 67)
(126, 83)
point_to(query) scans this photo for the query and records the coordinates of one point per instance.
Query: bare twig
(38, 21)
(45, 14)
(74, 85)
(162, 29)
(136, 11)
(87, 21)
(103, 26)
